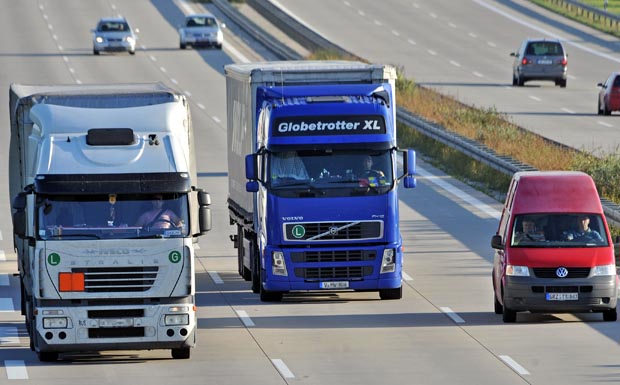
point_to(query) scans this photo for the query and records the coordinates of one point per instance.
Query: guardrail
(315, 41)
(595, 13)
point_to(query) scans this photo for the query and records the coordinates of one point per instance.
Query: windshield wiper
(88, 235)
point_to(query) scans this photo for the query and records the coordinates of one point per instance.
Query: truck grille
(118, 279)
(328, 231)
(333, 256)
(573, 272)
(344, 272)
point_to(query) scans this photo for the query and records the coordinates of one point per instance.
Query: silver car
(540, 59)
(113, 34)
(201, 30)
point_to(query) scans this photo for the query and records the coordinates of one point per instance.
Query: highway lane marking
(1, 235)
(535, 98)
(162, 69)
(433, 15)
(6, 304)
(378, 23)
(395, 33)
(432, 52)
(361, 13)
(454, 63)
(514, 365)
(2, 256)
(282, 368)
(459, 193)
(568, 111)
(216, 277)
(4, 280)
(407, 277)
(411, 42)
(245, 318)
(201, 106)
(473, 35)
(478, 74)
(8, 335)
(455, 317)
(452, 25)
(16, 370)
(217, 120)
(604, 123)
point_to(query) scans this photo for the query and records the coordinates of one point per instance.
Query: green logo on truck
(174, 256)
(53, 259)
(298, 231)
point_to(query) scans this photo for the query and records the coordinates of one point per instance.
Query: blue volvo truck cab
(314, 171)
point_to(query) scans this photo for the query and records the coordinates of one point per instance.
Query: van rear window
(559, 230)
(545, 48)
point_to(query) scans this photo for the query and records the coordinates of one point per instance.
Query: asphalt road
(442, 331)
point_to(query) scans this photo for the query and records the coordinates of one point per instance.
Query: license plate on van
(335, 285)
(562, 296)
(546, 62)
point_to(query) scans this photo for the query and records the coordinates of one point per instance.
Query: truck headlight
(176, 319)
(388, 264)
(604, 270)
(517, 271)
(278, 266)
(55, 322)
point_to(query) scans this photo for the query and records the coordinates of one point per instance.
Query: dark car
(609, 95)
(540, 59)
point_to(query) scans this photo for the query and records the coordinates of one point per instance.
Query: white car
(201, 30)
(113, 34)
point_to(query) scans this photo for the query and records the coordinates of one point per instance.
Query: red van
(553, 251)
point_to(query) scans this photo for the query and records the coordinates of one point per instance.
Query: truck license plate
(335, 285)
(562, 296)
(115, 322)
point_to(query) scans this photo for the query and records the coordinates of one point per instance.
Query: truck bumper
(534, 294)
(96, 328)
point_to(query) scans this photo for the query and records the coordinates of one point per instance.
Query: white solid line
(459, 193)
(282, 368)
(9, 335)
(604, 124)
(216, 277)
(4, 280)
(2, 255)
(407, 277)
(16, 370)
(514, 365)
(535, 98)
(455, 317)
(245, 318)
(6, 304)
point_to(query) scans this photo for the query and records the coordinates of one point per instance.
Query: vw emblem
(333, 230)
(561, 272)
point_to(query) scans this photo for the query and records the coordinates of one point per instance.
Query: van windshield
(559, 230)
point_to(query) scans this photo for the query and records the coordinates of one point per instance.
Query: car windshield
(322, 173)
(112, 216)
(559, 230)
(544, 48)
(113, 26)
(201, 22)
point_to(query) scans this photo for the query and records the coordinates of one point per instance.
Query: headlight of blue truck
(278, 266)
(388, 264)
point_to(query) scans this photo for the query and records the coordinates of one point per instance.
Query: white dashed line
(217, 120)
(407, 277)
(456, 64)
(8, 335)
(473, 35)
(411, 42)
(282, 368)
(452, 25)
(455, 317)
(535, 98)
(188, 94)
(378, 23)
(216, 277)
(361, 13)
(433, 15)
(395, 33)
(478, 74)
(514, 365)
(2, 256)
(432, 52)
(174, 81)
(604, 124)
(153, 58)
(16, 370)
(491, 44)
(245, 318)
(162, 69)
(201, 106)
(6, 304)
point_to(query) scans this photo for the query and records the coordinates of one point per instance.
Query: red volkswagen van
(553, 251)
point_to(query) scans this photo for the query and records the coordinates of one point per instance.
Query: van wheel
(181, 353)
(520, 81)
(606, 111)
(396, 293)
(514, 80)
(499, 309)
(599, 111)
(610, 315)
(509, 315)
(562, 83)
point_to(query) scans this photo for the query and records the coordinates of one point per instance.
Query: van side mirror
(496, 242)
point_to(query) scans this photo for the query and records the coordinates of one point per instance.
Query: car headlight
(604, 270)
(99, 39)
(517, 271)
(130, 40)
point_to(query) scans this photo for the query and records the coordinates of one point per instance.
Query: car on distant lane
(113, 34)
(201, 30)
(540, 59)
(609, 95)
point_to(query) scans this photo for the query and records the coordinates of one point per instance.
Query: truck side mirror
(251, 186)
(19, 214)
(204, 211)
(410, 162)
(496, 242)
(251, 170)
(410, 181)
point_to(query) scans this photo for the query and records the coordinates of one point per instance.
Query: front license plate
(335, 285)
(115, 322)
(545, 62)
(562, 296)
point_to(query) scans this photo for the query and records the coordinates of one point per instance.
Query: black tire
(520, 81)
(269, 296)
(181, 353)
(508, 315)
(396, 293)
(95, 52)
(499, 309)
(47, 356)
(514, 80)
(563, 83)
(610, 315)
(606, 111)
(218, 46)
(599, 111)
(132, 52)
(255, 267)
(182, 46)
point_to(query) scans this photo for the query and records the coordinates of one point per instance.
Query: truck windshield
(559, 230)
(329, 173)
(112, 216)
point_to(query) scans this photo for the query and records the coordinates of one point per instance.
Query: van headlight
(278, 265)
(604, 270)
(388, 263)
(517, 271)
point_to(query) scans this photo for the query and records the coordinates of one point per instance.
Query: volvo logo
(333, 230)
(561, 272)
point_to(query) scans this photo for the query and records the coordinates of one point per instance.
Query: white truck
(85, 162)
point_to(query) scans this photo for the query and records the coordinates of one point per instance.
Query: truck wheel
(255, 268)
(499, 309)
(181, 353)
(269, 296)
(396, 293)
(182, 45)
(610, 315)
(47, 356)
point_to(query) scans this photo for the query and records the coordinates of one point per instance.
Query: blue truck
(314, 171)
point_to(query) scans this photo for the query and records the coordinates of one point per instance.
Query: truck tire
(269, 296)
(396, 293)
(47, 356)
(255, 268)
(499, 309)
(181, 353)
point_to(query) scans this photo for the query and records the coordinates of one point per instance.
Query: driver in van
(583, 233)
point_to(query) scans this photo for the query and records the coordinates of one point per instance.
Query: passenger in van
(530, 233)
(583, 233)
